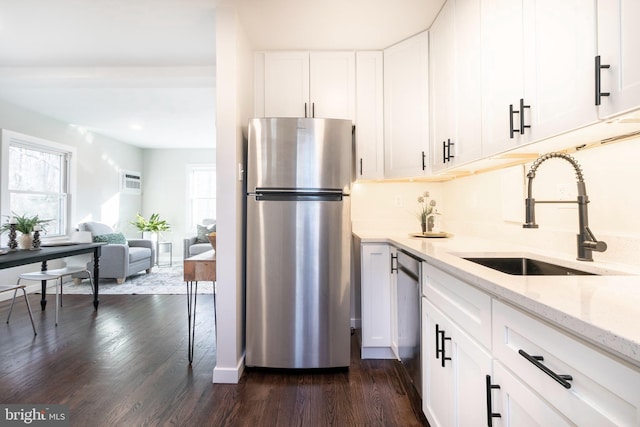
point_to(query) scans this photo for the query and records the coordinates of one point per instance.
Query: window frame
(190, 168)
(9, 138)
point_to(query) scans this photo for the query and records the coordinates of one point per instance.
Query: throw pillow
(112, 238)
(203, 231)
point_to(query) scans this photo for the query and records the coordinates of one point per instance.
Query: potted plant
(25, 225)
(153, 225)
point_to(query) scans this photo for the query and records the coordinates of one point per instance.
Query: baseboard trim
(222, 375)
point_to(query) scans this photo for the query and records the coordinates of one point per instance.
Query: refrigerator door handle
(280, 196)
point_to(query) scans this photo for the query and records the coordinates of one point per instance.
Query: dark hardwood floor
(126, 365)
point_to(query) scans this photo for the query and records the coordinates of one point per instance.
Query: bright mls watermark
(34, 415)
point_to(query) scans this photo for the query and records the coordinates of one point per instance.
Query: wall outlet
(397, 201)
(565, 192)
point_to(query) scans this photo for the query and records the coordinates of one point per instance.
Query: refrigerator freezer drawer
(298, 283)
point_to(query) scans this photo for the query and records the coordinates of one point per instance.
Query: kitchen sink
(523, 266)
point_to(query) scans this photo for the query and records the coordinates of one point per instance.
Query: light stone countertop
(603, 310)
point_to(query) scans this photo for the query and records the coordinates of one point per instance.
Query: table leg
(191, 315)
(96, 276)
(43, 299)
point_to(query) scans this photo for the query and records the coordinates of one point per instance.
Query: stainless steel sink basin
(523, 266)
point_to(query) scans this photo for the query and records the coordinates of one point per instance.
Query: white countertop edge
(604, 334)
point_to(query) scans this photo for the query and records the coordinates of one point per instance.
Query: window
(201, 194)
(36, 180)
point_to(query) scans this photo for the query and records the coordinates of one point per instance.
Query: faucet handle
(595, 246)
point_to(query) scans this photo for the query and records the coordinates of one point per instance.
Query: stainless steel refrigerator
(298, 255)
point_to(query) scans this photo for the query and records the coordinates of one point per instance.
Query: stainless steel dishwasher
(408, 312)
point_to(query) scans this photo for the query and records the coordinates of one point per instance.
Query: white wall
(99, 161)
(234, 59)
(164, 190)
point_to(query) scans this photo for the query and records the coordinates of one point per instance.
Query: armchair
(198, 244)
(122, 259)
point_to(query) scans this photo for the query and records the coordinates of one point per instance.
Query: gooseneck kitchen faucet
(587, 242)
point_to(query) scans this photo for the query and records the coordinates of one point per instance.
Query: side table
(162, 248)
(201, 267)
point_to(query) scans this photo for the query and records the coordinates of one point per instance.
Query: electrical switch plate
(398, 201)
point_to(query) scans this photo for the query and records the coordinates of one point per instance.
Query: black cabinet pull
(599, 67)
(490, 414)
(444, 151)
(313, 109)
(392, 267)
(438, 341)
(522, 125)
(444, 356)
(305, 110)
(563, 380)
(360, 166)
(449, 155)
(512, 130)
(424, 165)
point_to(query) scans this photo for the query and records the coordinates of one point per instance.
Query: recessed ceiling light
(136, 127)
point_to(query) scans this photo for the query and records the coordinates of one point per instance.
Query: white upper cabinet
(455, 87)
(559, 52)
(406, 107)
(332, 85)
(303, 84)
(369, 116)
(537, 73)
(502, 75)
(618, 35)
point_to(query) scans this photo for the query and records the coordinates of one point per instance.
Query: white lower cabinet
(454, 369)
(584, 385)
(520, 372)
(514, 404)
(375, 299)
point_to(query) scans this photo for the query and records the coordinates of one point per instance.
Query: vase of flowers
(426, 212)
(25, 225)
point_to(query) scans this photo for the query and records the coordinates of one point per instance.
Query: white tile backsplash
(490, 205)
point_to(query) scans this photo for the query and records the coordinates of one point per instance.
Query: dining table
(16, 258)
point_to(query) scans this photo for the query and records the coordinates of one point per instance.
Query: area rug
(161, 281)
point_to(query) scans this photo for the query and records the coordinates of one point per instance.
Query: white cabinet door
(455, 89)
(369, 116)
(598, 391)
(468, 81)
(442, 69)
(454, 372)
(286, 84)
(518, 406)
(332, 85)
(303, 84)
(618, 35)
(376, 301)
(406, 107)
(559, 50)
(502, 75)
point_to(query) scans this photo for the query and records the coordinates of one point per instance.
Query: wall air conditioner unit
(131, 182)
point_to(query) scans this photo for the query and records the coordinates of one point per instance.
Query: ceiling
(143, 71)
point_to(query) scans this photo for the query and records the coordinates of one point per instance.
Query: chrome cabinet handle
(490, 414)
(561, 379)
